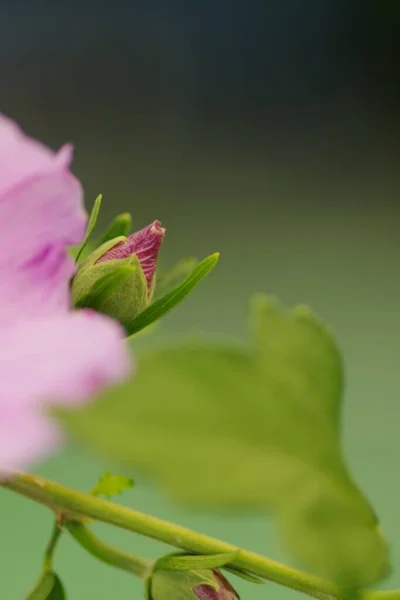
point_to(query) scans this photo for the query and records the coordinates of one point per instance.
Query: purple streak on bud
(225, 592)
(145, 244)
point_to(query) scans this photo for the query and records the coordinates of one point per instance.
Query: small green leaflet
(238, 427)
(160, 307)
(91, 224)
(112, 485)
(49, 587)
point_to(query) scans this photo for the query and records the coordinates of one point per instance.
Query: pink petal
(41, 213)
(22, 157)
(37, 213)
(41, 202)
(25, 437)
(37, 222)
(40, 286)
(63, 359)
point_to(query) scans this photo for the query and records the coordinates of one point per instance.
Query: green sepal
(160, 307)
(73, 251)
(98, 253)
(244, 575)
(91, 224)
(105, 286)
(147, 587)
(121, 225)
(178, 585)
(49, 587)
(181, 561)
(116, 288)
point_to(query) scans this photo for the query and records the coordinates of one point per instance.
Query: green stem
(107, 554)
(51, 546)
(77, 505)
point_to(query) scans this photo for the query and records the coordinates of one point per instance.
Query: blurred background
(267, 130)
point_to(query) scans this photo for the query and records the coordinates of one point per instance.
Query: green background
(327, 237)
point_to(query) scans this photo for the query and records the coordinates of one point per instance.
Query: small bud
(204, 584)
(145, 244)
(117, 279)
(225, 592)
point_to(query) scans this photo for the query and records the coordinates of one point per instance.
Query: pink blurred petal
(62, 359)
(40, 286)
(22, 157)
(39, 212)
(25, 437)
(63, 157)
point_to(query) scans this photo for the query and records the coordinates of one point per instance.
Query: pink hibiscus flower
(48, 354)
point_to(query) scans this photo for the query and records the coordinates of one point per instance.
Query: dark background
(266, 130)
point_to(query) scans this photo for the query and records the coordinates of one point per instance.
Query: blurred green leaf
(91, 224)
(112, 485)
(234, 427)
(49, 587)
(160, 307)
(121, 225)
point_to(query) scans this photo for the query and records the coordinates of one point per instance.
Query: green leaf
(182, 269)
(184, 562)
(232, 427)
(121, 225)
(91, 224)
(112, 485)
(49, 587)
(160, 307)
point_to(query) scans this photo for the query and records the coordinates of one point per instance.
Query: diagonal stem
(77, 505)
(107, 554)
(51, 546)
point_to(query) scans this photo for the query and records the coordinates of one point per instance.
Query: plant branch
(51, 546)
(107, 554)
(77, 505)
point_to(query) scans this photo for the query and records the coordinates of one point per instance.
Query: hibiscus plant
(219, 426)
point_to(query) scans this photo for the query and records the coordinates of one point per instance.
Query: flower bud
(203, 584)
(225, 591)
(145, 244)
(117, 279)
